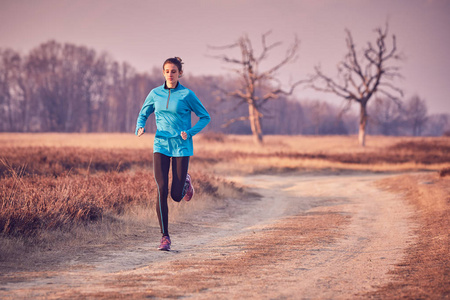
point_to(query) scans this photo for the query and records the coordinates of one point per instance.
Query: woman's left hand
(184, 135)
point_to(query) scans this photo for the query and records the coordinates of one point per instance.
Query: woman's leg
(180, 167)
(161, 165)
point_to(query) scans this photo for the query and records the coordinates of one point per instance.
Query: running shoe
(165, 244)
(188, 188)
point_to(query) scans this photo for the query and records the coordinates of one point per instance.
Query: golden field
(78, 188)
(54, 181)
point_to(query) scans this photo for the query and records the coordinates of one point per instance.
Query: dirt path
(307, 237)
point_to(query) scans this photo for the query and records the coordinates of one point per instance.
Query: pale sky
(146, 32)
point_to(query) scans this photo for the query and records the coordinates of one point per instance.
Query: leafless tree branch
(255, 80)
(234, 120)
(361, 76)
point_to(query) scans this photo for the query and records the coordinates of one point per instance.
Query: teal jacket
(172, 108)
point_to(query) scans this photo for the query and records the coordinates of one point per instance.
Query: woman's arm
(147, 108)
(201, 112)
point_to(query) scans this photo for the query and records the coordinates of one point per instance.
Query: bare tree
(416, 114)
(119, 99)
(361, 75)
(71, 82)
(7, 57)
(438, 125)
(387, 116)
(14, 106)
(257, 87)
(318, 112)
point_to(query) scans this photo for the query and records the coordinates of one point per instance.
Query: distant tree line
(406, 118)
(68, 88)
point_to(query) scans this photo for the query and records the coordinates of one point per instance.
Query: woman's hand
(140, 132)
(184, 135)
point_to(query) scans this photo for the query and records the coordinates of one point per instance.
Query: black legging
(161, 165)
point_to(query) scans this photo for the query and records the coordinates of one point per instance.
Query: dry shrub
(37, 203)
(44, 202)
(421, 152)
(58, 188)
(60, 161)
(427, 152)
(417, 151)
(213, 137)
(439, 146)
(206, 183)
(444, 172)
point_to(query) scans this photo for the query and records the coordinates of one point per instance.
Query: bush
(57, 188)
(213, 137)
(444, 172)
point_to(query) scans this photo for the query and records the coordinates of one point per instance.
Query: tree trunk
(10, 113)
(362, 124)
(89, 112)
(416, 128)
(255, 123)
(25, 108)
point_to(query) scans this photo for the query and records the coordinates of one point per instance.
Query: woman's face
(171, 74)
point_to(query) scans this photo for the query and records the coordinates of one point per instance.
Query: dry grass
(91, 140)
(238, 154)
(425, 273)
(53, 186)
(59, 187)
(52, 181)
(32, 203)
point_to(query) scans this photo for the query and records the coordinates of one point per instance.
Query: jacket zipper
(168, 98)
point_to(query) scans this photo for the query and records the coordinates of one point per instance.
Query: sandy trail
(308, 237)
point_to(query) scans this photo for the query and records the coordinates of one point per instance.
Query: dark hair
(176, 61)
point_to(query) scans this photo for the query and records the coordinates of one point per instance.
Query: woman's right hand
(140, 132)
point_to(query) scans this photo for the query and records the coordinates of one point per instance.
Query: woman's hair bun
(176, 61)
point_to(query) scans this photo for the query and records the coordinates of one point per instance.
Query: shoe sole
(190, 192)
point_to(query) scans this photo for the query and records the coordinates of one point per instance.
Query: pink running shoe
(188, 188)
(165, 244)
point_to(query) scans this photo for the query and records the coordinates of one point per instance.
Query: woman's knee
(176, 196)
(177, 191)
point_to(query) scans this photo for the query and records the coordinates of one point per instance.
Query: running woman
(172, 104)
